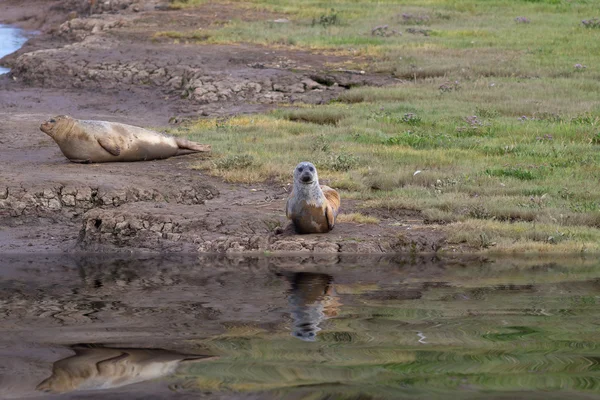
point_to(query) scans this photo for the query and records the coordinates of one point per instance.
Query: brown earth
(101, 60)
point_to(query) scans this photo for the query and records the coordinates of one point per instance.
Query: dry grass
(357, 218)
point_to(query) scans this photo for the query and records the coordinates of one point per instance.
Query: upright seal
(312, 208)
(100, 141)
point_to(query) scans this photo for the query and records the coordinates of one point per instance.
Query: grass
(503, 127)
(357, 218)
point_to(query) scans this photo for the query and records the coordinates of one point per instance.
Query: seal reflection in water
(100, 141)
(312, 299)
(106, 368)
(312, 208)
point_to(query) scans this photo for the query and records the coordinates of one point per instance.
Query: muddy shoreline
(105, 62)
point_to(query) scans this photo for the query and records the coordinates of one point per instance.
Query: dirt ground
(101, 60)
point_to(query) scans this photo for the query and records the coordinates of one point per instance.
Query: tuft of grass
(341, 162)
(518, 173)
(236, 161)
(327, 19)
(321, 116)
(357, 218)
(193, 36)
(177, 4)
(378, 180)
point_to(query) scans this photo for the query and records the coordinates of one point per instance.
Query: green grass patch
(492, 130)
(518, 173)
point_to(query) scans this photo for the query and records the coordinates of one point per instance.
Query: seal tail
(185, 144)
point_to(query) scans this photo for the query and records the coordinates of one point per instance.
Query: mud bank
(116, 47)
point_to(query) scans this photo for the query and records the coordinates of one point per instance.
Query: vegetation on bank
(493, 130)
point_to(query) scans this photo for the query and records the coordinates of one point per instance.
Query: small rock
(325, 247)
(121, 225)
(279, 88)
(54, 204)
(68, 200)
(288, 245)
(297, 88)
(309, 84)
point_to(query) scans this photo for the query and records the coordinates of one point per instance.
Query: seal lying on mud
(106, 368)
(312, 208)
(100, 141)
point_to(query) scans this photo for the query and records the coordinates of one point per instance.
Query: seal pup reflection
(312, 299)
(96, 368)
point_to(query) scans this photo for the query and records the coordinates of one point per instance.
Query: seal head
(56, 125)
(306, 173)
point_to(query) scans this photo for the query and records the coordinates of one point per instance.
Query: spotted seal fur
(312, 208)
(88, 141)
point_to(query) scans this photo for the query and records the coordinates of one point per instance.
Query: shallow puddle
(11, 40)
(352, 327)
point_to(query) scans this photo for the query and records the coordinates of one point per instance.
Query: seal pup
(312, 208)
(95, 368)
(87, 141)
(312, 299)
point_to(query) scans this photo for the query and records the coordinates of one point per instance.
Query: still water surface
(108, 327)
(11, 40)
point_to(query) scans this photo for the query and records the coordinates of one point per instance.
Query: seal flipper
(185, 144)
(106, 366)
(288, 212)
(333, 199)
(332, 207)
(109, 146)
(330, 218)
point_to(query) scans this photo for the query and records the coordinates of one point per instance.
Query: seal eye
(300, 169)
(53, 120)
(311, 169)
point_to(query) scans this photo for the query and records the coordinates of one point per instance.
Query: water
(108, 327)
(11, 40)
